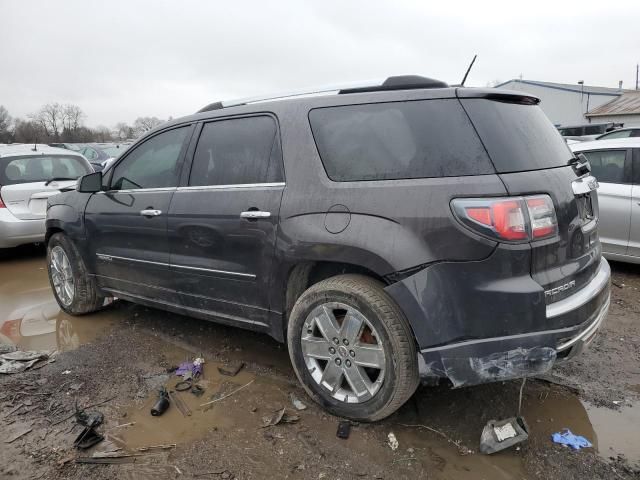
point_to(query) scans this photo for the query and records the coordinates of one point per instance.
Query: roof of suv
(29, 149)
(404, 88)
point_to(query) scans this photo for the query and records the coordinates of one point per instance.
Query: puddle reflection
(30, 318)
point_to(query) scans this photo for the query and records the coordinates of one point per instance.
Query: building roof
(626, 104)
(569, 87)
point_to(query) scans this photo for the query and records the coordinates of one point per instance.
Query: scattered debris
(66, 372)
(156, 447)
(279, 416)
(462, 450)
(123, 425)
(297, 404)
(344, 429)
(227, 395)
(565, 437)
(20, 433)
(498, 435)
(91, 419)
(619, 285)
(17, 361)
(162, 404)
(392, 441)
(184, 409)
(232, 370)
(197, 390)
(87, 438)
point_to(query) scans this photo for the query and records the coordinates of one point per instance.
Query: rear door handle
(150, 213)
(254, 214)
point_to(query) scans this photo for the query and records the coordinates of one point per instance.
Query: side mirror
(90, 183)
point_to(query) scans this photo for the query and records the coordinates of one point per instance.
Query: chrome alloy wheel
(343, 352)
(62, 276)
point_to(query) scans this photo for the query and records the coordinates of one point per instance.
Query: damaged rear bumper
(484, 360)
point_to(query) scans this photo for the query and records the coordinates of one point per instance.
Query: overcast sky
(119, 60)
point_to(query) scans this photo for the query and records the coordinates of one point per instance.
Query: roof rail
(402, 82)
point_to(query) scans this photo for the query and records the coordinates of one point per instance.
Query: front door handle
(255, 214)
(150, 213)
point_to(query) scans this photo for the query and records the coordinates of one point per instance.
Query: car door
(634, 234)
(127, 223)
(223, 220)
(612, 168)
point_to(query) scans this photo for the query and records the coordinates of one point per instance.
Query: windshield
(41, 168)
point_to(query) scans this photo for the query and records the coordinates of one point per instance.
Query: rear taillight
(514, 219)
(2, 205)
(11, 329)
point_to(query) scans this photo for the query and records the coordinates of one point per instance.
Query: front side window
(237, 151)
(154, 164)
(41, 168)
(607, 165)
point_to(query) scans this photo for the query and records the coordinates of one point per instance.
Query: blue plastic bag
(567, 438)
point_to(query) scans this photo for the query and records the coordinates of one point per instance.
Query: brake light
(2, 205)
(514, 219)
(11, 329)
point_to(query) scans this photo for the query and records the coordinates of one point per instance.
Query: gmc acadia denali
(386, 232)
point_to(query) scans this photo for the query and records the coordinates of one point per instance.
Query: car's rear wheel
(352, 348)
(74, 290)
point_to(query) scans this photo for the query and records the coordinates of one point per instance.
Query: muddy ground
(121, 355)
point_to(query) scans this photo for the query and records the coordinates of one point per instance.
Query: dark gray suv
(387, 233)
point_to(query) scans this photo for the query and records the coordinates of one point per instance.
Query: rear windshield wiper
(57, 179)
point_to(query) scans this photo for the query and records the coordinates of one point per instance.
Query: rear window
(40, 168)
(518, 137)
(398, 140)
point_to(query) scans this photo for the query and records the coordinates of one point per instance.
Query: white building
(566, 104)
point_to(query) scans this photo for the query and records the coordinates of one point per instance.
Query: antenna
(468, 70)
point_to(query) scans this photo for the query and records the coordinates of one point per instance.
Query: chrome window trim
(581, 297)
(108, 258)
(136, 190)
(232, 186)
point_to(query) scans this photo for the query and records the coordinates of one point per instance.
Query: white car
(29, 175)
(616, 165)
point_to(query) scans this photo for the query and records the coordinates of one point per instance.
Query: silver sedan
(29, 175)
(616, 165)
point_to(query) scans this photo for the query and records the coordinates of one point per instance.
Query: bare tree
(28, 131)
(123, 131)
(5, 124)
(73, 117)
(144, 124)
(102, 134)
(51, 119)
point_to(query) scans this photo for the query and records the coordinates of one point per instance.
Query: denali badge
(561, 288)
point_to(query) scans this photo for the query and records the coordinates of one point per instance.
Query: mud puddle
(30, 317)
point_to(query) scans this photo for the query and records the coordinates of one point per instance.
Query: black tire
(401, 362)
(86, 297)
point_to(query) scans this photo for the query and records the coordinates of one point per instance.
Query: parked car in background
(29, 175)
(69, 146)
(101, 154)
(588, 131)
(631, 132)
(384, 232)
(616, 166)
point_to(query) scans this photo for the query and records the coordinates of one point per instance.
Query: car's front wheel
(74, 290)
(352, 348)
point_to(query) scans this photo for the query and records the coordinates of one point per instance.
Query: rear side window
(237, 151)
(619, 134)
(607, 165)
(518, 137)
(153, 164)
(40, 168)
(571, 132)
(397, 140)
(594, 129)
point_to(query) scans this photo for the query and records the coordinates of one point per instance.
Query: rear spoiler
(498, 95)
